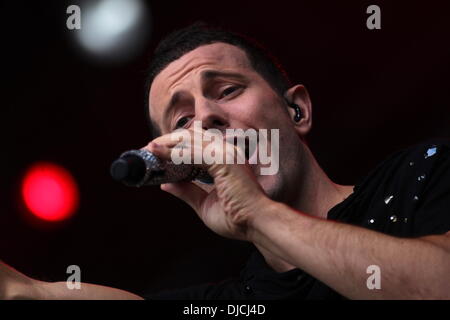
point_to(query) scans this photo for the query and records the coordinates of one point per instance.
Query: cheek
(257, 111)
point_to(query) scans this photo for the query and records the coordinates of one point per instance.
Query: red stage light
(50, 192)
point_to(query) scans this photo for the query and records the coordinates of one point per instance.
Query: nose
(211, 115)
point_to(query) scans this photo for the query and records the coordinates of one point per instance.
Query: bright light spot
(50, 192)
(113, 28)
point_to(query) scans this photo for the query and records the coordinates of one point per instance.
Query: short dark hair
(182, 41)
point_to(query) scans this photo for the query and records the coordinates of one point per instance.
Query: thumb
(188, 192)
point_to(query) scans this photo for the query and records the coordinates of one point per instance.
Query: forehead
(217, 56)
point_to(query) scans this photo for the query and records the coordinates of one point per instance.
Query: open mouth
(249, 148)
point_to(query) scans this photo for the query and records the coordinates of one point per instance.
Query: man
(315, 239)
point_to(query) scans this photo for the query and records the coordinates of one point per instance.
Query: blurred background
(73, 100)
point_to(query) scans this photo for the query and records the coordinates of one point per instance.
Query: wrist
(265, 211)
(26, 289)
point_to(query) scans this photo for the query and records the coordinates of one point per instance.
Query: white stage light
(114, 29)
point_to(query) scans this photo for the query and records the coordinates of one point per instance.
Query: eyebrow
(211, 74)
(206, 75)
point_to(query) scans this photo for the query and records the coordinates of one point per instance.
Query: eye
(228, 91)
(181, 122)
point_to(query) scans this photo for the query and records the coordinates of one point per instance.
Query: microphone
(137, 168)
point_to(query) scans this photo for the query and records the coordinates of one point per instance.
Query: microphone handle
(155, 171)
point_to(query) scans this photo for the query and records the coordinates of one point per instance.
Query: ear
(299, 95)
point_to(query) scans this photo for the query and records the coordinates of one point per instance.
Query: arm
(15, 285)
(338, 254)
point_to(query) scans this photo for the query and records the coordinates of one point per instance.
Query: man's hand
(236, 197)
(15, 285)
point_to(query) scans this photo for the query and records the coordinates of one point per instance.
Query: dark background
(373, 92)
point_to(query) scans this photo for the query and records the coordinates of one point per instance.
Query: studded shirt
(407, 195)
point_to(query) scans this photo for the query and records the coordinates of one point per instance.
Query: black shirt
(407, 195)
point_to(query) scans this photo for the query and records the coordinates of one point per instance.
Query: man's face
(216, 84)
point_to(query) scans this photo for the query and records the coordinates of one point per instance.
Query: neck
(316, 195)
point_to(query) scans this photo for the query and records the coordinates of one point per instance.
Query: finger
(169, 140)
(160, 144)
(159, 150)
(206, 187)
(193, 195)
(182, 141)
